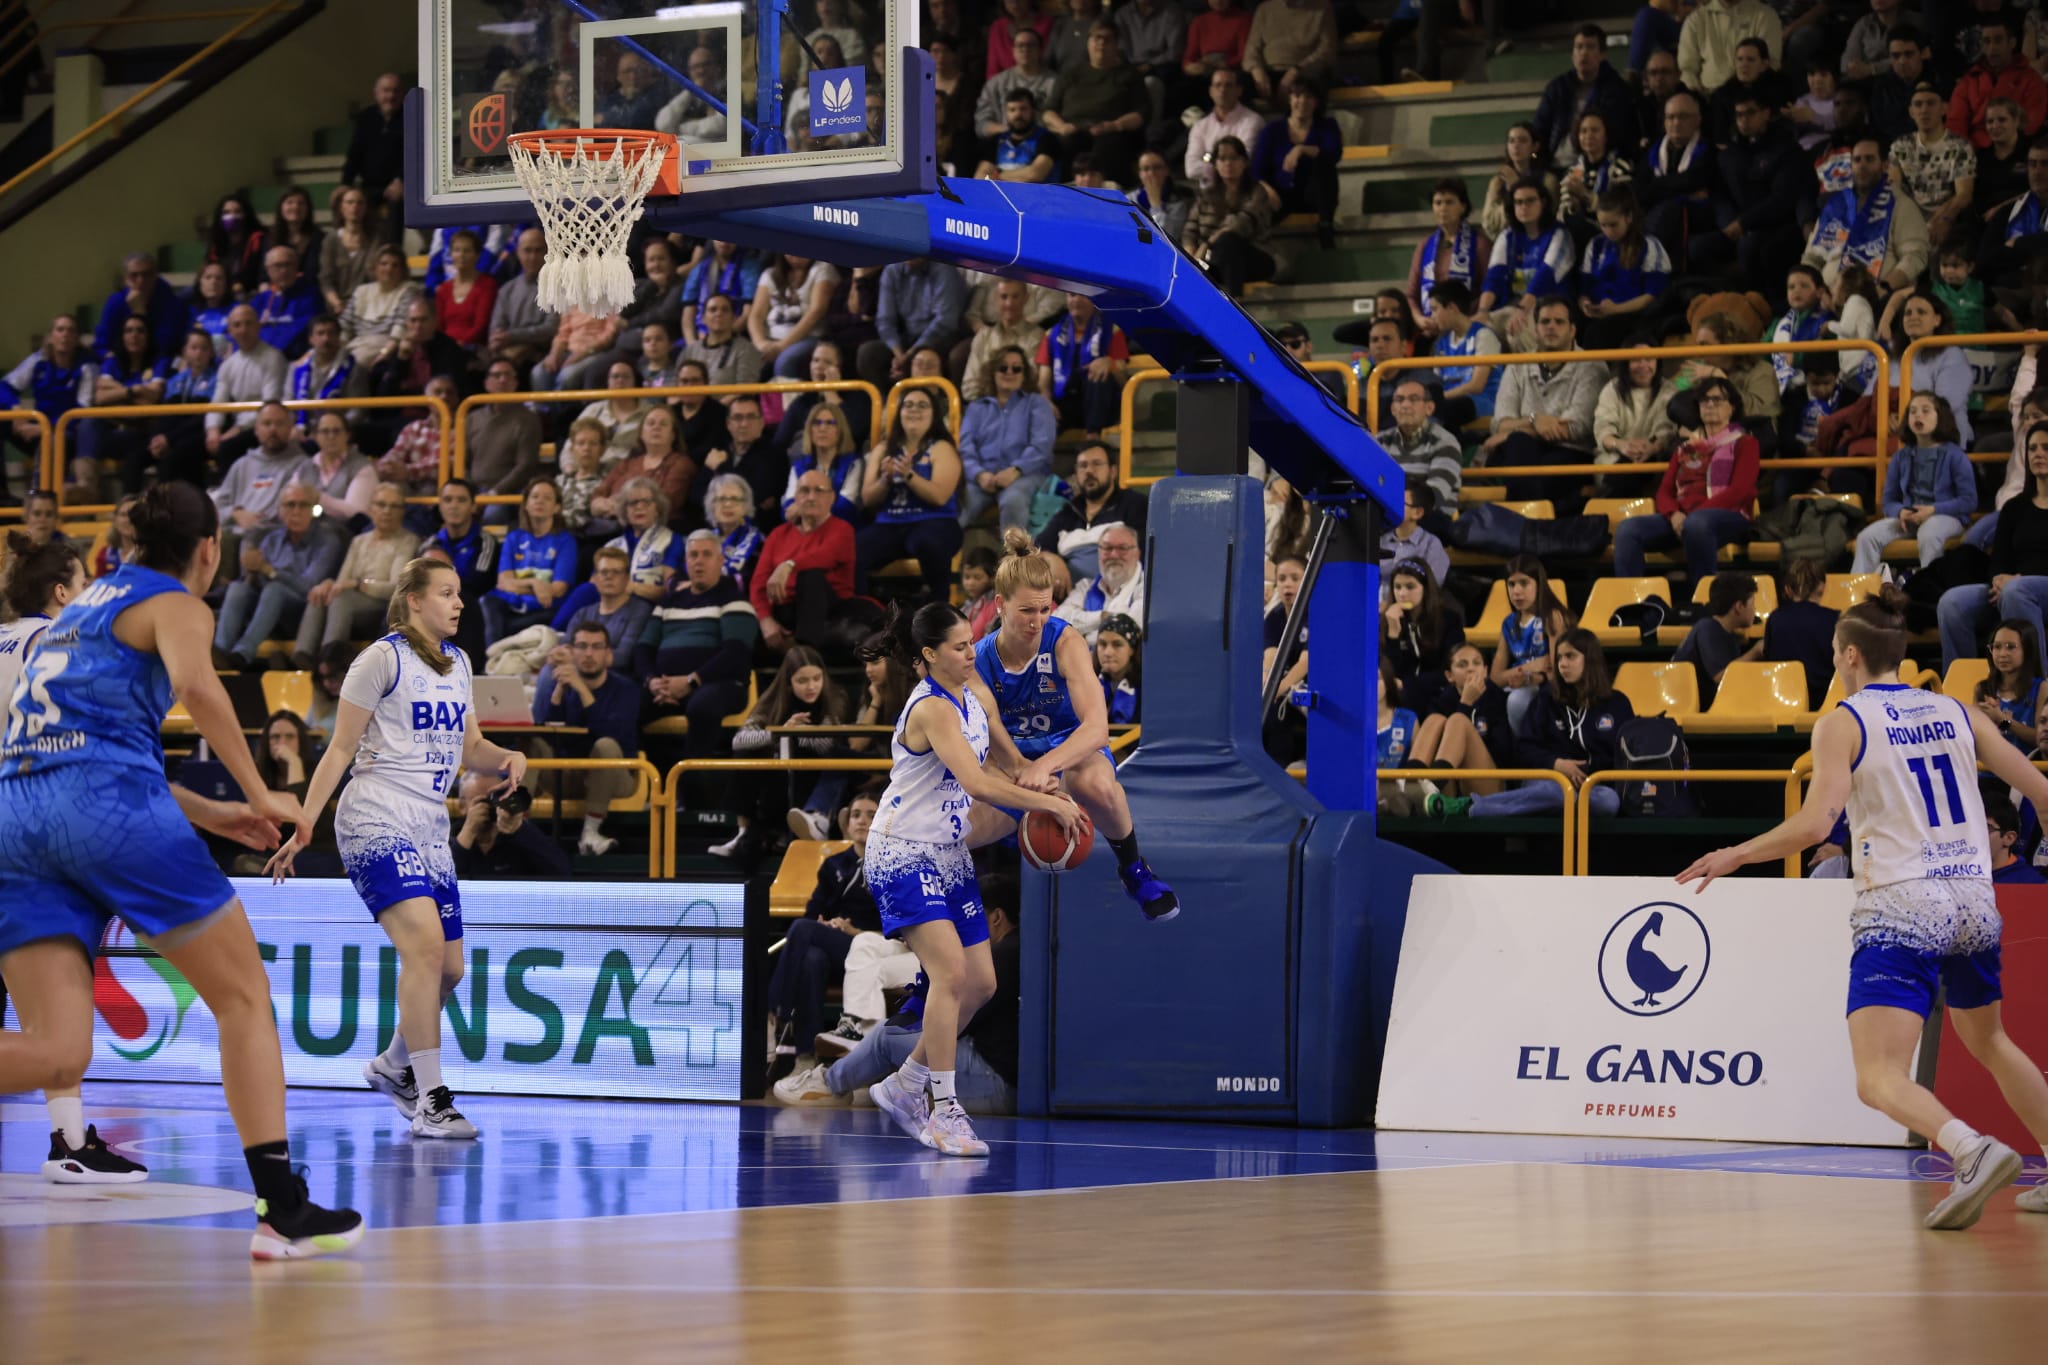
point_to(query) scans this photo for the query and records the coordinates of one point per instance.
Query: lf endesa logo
(1652, 961)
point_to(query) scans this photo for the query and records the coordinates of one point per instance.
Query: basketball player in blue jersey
(41, 581)
(1040, 676)
(1902, 763)
(944, 799)
(90, 830)
(406, 724)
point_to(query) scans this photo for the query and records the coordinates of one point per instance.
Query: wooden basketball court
(625, 1232)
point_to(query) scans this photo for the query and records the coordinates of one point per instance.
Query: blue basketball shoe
(1153, 896)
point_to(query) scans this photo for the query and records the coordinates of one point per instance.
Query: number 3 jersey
(83, 696)
(1914, 810)
(925, 801)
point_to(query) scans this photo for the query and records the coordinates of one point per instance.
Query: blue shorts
(918, 883)
(396, 849)
(86, 843)
(1904, 978)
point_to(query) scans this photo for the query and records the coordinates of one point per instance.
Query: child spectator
(802, 694)
(1854, 304)
(1801, 630)
(1929, 488)
(1715, 640)
(1804, 316)
(1813, 113)
(977, 585)
(2010, 696)
(1573, 728)
(1117, 663)
(1821, 394)
(1623, 274)
(1467, 717)
(1536, 619)
(1420, 630)
(1956, 284)
(1408, 541)
(1471, 389)
(1283, 728)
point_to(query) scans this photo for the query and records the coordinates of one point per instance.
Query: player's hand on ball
(1720, 863)
(1071, 817)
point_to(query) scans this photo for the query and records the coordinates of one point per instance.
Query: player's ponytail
(35, 572)
(1022, 568)
(413, 582)
(170, 522)
(905, 636)
(1876, 629)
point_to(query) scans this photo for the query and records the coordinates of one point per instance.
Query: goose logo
(1654, 959)
(839, 101)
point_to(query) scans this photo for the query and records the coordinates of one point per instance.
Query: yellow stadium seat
(1539, 510)
(1963, 677)
(1608, 594)
(1486, 634)
(798, 875)
(1618, 510)
(291, 692)
(1661, 689)
(1845, 590)
(1756, 698)
(680, 725)
(1766, 603)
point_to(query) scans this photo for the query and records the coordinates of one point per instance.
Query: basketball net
(588, 201)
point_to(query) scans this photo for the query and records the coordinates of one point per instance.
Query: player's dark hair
(412, 582)
(1997, 811)
(1876, 629)
(906, 635)
(35, 572)
(170, 522)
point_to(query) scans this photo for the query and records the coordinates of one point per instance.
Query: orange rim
(562, 141)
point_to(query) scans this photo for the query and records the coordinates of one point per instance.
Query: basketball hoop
(589, 186)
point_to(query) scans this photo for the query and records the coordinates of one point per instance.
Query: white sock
(397, 1056)
(942, 1087)
(426, 1069)
(67, 1116)
(593, 826)
(1955, 1135)
(915, 1077)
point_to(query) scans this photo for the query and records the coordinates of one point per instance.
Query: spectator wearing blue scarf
(1869, 224)
(1080, 367)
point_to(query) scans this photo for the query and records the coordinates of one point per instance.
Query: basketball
(1046, 846)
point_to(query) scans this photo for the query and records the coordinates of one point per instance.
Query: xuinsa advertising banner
(629, 990)
(1626, 1006)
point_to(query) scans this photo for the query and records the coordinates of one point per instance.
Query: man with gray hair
(143, 294)
(286, 305)
(698, 647)
(277, 573)
(1118, 588)
(520, 331)
(803, 581)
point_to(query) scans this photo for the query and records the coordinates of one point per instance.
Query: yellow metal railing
(1617, 776)
(54, 477)
(1569, 811)
(41, 462)
(119, 111)
(1987, 340)
(885, 415)
(1128, 416)
(647, 791)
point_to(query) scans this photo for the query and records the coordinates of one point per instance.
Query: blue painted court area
(573, 1159)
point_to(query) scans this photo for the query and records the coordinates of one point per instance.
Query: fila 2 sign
(627, 990)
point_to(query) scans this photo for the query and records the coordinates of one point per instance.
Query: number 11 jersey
(1914, 809)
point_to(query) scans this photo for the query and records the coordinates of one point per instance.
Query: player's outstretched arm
(934, 721)
(2005, 760)
(229, 819)
(350, 720)
(178, 628)
(1837, 741)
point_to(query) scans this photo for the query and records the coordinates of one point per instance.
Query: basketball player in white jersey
(40, 580)
(1903, 763)
(944, 798)
(406, 724)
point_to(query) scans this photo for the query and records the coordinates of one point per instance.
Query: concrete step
(311, 167)
(1409, 115)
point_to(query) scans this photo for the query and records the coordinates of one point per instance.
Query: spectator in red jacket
(465, 299)
(2000, 70)
(1708, 490)
(803, 584)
